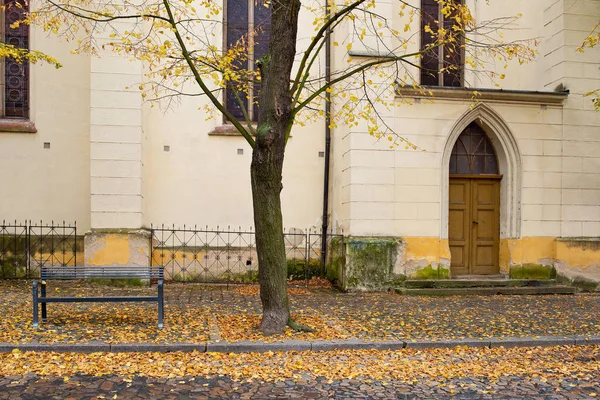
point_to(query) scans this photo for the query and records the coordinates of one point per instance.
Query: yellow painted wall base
(572, 257)
(117, 248)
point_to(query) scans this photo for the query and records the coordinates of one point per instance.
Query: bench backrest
(109, 272)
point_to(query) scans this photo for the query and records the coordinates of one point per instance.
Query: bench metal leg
(161, 304)
(44, 316)
(35, 304)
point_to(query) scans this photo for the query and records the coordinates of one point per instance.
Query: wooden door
(474, 222)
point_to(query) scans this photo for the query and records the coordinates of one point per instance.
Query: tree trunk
(274, 118)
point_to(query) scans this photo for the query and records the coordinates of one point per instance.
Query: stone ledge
(517, 96)
(229, 130)
(226, 130)
(17, 126)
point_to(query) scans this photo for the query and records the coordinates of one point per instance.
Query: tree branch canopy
(179, 42)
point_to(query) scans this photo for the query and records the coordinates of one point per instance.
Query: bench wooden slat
(109, 272)
(113, 299)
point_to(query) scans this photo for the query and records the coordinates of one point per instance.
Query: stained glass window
(245, 17)
(473, 153)
(440, 66)
(16, 75)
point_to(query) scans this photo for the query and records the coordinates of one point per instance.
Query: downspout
(325, 217)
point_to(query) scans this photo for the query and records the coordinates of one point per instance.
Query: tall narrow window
(442, 65)
(15, 94)
(247, 20)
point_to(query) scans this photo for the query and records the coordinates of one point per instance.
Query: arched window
(473, 153)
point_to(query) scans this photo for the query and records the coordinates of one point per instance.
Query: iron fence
(26, 247)
(207, 255)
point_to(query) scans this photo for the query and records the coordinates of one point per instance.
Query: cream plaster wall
(132, 182)
(51, 184)
(204, 180)
(398, 192)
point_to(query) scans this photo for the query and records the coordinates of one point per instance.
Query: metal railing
(218, 255)
(28, 246)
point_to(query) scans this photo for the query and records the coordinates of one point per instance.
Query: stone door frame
(509, 165)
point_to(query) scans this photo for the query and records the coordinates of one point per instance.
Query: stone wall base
(117, 247)
(379, 263)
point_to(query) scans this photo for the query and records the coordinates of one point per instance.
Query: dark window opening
(441, 65)
(249, 21)
(16, 74)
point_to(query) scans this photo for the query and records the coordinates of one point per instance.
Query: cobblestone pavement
(111, 387)
(560, 372)
(192, 311)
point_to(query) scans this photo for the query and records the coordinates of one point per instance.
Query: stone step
(475, 283)
(523, 290)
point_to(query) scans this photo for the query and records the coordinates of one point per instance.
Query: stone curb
(301, 345)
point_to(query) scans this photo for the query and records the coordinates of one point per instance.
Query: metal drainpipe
(325, 218)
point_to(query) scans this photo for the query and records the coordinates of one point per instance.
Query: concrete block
(541, 228)
(551, 212)
(417, 194)
(116, 151)
(532, 341)
(115, 99)
(114, 116)
(373, 176)
(119, 82)
(153, 347)
(532, 212)
(430, 344)
(418, 227)
(587, 340)
(417, 176)
(552, 147)
(591, 229)
(115, 169)
(572, 164)
(428, 211)
(116, 65)
(65, 347)
(117, 203)
(406, 211)
(572, 196)
(116, 134)
(356, 344)
(257, 347)
(571, 229)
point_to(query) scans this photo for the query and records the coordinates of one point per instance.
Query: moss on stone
(370, 264)
(335, 261)
(399, 280)
(429, 272)
(586, 285)
(532, 271)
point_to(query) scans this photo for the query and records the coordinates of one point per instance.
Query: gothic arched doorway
(474, 205)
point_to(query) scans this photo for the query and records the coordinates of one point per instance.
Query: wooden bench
(81, 273)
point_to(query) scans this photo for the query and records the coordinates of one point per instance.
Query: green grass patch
(533, 271)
